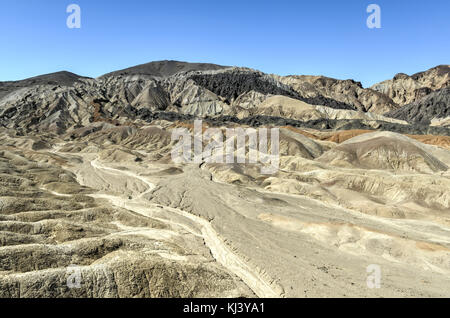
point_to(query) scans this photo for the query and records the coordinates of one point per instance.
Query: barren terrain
(88, 183)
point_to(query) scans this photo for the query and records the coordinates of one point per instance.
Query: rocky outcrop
(319, 89)
(404, 89)
(432, 107)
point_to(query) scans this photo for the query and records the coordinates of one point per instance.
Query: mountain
(165, 68)
(404, 89)
(188, 91)
(434, 107)
(173, 90)
(347, 92)
(62, 78)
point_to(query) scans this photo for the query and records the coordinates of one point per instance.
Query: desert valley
(88, 184)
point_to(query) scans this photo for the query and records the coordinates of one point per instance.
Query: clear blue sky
(327, 37)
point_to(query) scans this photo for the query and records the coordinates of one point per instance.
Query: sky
(320, 37)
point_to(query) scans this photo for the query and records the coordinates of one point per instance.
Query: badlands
(88, 186)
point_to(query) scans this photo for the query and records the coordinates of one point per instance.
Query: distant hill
(165, 68)
(62, 78)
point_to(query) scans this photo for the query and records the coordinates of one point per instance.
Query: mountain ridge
(63, 100)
